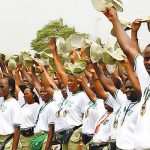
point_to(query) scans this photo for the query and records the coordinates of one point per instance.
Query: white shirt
(127, 122)
(103, 131)
(29, 113)
(1, 100)
(92, 112)
(142, 134)
(46, 117)
(72, 110)
(9, 116)
(111, 101)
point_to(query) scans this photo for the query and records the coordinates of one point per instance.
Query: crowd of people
(97, 97)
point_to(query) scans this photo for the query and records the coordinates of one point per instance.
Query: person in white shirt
(29, 113)
(95, 109)
(45, 120)
(9, 114)
(131, 49)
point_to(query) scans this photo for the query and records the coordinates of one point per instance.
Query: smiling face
(29, 96)
(130, 92)
(4, 88)
(44, 95)
(146, 56)
(73, 84)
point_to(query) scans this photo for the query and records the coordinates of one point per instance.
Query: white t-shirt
(92, 112)
(72, 110)
(127, 122)
(9, 116)
(1, 100)
(103, 131)
(111, 101)
(46, 117)
(29, 113)
(142, 134)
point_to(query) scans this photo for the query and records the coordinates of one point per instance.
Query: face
(73, 84)
(64, 91)
(44, 95)
(129, 91)
(4, 88)
(25, 81)
(29, 96)
(146, 56)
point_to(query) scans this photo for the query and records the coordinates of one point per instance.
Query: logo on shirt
(3, 108)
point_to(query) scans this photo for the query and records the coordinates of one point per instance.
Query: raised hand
(135, 25)
(111, 13)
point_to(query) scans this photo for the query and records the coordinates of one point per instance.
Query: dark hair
(11, 83)
(148, 45)
(22, 87)
(31, 89)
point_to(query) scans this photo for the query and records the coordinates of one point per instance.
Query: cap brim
(99, 5)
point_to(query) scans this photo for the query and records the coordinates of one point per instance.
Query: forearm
(49, 138)
(106, 82)
(60, 69)
(135, 40)
(16, 138)
(124, 40)
(27, 76)
(88, 91)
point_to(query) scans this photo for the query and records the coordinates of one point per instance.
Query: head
(25, 81)
(7, 87)
(30, 96)
(73, 84)
(44, 95)
(146, 55)
(64, 91)
(57, 80)
(130, 92)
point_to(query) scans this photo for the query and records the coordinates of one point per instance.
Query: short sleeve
(84, 101)
(51, 115)
(111, 101)
(57, 96)
(16, 113)
(100, 107)
(141, 72)
(21, 99)
(120, 97)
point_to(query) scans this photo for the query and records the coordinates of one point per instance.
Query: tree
(53, 28)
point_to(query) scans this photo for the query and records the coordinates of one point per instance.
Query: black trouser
(113, 145)
(86, 138)
(97, 146)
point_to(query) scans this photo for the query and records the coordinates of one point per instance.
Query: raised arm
(45, 81)
(88, 91)
(106, 82)
(60, 69)
(123, 39)
(134, 30)
(132, 77)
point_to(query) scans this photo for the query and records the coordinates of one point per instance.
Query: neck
(7, 97)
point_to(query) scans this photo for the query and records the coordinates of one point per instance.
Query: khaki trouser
(25, 142)
(8, 146)
(74, 141)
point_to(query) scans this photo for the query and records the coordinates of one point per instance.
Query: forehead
(27, 90)
(146, 52)
(71, 77)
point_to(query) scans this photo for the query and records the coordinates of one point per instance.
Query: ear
(10, 88)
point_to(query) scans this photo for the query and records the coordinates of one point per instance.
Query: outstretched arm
(58, 64)
(123, 39)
